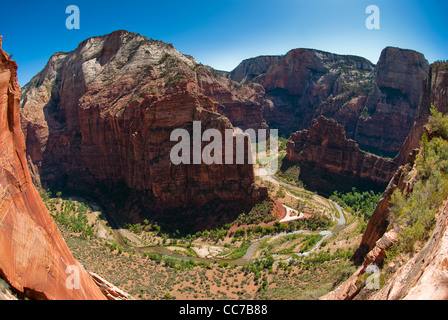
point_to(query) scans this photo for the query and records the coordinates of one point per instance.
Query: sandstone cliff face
(393, 104)
(425, 275)
(102, 115)
(435, 91)
(376, 104)
(33, 254)
(250, 69)
(329, 161)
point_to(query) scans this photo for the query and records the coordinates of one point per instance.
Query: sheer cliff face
(103, 115)
(435, 91)
(425, 275)
(376, 104)
(33, 255)
(329, 161)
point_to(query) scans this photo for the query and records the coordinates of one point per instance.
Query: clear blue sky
(221, 33)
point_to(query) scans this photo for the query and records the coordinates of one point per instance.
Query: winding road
(248, 257)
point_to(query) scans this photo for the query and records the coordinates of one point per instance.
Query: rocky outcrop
(379, 221)
(100, 118)
(110, 291)
(393, 104)
(329, 161)
(435, 92)
(248, 70)
(376, 104)
(425, 275)
(33, 255)
(365, 275)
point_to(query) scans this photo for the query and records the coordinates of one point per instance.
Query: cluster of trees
(261, 212)
(321, 257)
(70, 213)
(361, 203)
(256, 267)
(289, 173)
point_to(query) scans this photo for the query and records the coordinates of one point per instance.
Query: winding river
(248, 256)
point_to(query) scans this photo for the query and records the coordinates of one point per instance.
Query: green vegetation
(261, 212)
(283, 142)
(289, 172)
(239, 252)
(361, 203)
(69, 213)
(215, 73)
(365, 113)
(441, 64)
(174, 79)
(412, 213)
(309, 243)
(164, 58)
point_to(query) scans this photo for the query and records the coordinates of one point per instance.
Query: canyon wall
(329, 161)
(100, 119)
(375, 104)
(33, 255)
(425, 275)
(435, 91)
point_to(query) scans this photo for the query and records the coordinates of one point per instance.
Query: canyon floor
(267, 261)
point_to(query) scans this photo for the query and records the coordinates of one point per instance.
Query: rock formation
(425, 275)
(330, 162)
(435, 91)
(33, 255)
(100, 118)
(110, 291)
(376, 104)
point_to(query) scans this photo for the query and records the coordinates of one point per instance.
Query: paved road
(253, 247)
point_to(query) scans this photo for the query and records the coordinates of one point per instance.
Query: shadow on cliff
(122, 205)
(325, 183)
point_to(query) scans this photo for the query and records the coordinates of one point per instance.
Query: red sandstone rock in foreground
(33, 254)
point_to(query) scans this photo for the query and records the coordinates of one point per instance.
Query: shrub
(413, 213)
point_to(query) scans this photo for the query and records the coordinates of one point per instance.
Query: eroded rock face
(376, 104)
(33, 255)
(393, 104)
(102, 116)
(329, 161)
(424, 276)
(435, 91)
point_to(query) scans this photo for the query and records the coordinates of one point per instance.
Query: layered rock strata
(376, 104)
(101, 118)
(34, 257)
(329, 161)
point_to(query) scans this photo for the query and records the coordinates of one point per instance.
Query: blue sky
(221, 33)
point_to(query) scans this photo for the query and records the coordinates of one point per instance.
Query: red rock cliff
(33, 254)
(435, 91)
(376, 104)
(329, 161)
(424, 276)
(102, 115)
